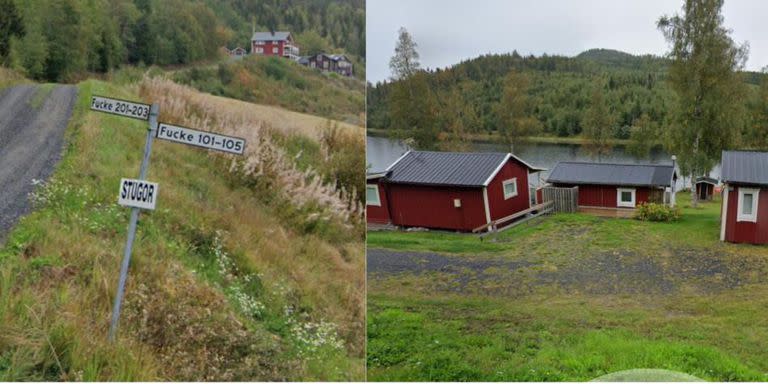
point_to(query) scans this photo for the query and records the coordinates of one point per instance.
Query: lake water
(382, 151)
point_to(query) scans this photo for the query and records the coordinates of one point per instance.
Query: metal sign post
(141, 194)
(153, 112)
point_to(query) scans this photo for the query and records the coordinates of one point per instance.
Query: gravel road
(701, 270)
(31, 143)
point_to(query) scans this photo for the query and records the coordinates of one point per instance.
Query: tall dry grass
(258, 125)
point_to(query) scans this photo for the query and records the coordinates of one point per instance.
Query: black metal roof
(636, 175)
(745, 167)
(472, 169)
(706, 179)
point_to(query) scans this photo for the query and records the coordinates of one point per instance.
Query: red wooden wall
(432, 207)
(605, 195)
(378, 214)
(498, 206)
(744, 231)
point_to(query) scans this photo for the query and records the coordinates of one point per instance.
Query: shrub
(657, 212)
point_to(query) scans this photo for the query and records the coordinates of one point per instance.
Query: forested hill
(59, 40)
(559, 92)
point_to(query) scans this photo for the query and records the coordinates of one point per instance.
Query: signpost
(141, 194)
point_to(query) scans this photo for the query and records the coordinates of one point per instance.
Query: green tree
(412, 110)
(758, 130)
(710, 113)
(31, 52)
(643, 134)
(311, 43)
(10, 25)
(515, 122)
(597, 124)
(405, 61)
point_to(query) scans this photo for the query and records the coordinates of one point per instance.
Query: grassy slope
(217, 284)
(279, 82)
(417, 331)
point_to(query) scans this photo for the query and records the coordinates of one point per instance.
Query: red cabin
(705, 188)
(449, 190)
(274, 44)
(744, 213)
(616, 186)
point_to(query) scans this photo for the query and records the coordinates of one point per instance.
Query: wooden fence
(564, 199)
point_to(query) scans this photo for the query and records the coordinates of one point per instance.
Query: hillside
(249, 269)
(280, 82)
(64, 40)
(559, 91)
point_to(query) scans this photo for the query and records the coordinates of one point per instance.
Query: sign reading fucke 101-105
(137, 193)
(203, 139)
(120, 107)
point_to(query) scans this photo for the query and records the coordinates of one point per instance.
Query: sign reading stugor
(137, 193)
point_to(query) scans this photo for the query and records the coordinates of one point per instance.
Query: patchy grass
(280, 82)
(575, 297)
(221, 287)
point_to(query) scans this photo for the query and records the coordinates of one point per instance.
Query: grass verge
(221, 287)
(580, 297)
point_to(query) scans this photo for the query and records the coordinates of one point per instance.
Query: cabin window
(625, 197)
(372, 195)
(274, 49)
(259, 50)
(747, 209)
(510, 188)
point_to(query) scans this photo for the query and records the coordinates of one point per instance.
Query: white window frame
(504, 184)
(630, 204)
(755, 192)
(378, 197)
(259, 50)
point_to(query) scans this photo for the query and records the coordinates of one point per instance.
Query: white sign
(120, 107)
(137, 193)
(201, 138)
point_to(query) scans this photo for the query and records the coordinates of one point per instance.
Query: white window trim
(630, 204)
(504, 188)
(378, 197)
(755, 198)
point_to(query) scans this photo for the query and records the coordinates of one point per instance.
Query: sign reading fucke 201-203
(120, 107)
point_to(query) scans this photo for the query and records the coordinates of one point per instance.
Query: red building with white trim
(274, 44)
(449, 190)
(616, 186)
(744, 212)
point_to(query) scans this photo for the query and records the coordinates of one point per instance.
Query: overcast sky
(449, 31)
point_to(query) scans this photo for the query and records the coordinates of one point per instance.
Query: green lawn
(597, 296)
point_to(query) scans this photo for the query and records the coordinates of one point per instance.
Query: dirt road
(32, 123)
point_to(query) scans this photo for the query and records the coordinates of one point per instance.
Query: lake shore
(496, 138)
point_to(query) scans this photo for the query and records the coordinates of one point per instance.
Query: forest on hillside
(58, 40)
(466, 98)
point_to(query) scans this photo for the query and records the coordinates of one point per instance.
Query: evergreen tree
(643, 134)
(10, 25)
(709, 115)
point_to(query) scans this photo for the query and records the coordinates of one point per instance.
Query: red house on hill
(274, 44)
(744, 213)
(449, 190)
(617, 186)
